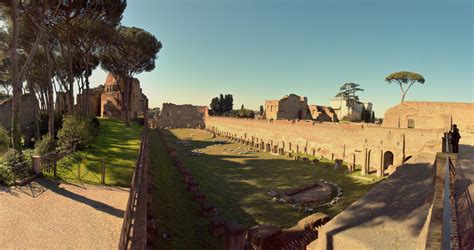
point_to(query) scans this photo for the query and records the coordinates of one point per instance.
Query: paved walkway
(391, 216)
(52, 215)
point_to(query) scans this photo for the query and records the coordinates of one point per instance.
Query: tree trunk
(50, 101)
(16, 84)
(403, 97)
(127, 103)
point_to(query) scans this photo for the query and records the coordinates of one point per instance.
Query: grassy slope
(177, 215)
(118, 145)
(238, 184)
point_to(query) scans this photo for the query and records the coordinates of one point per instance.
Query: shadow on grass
(238, 184)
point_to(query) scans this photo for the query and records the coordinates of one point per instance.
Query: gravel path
(52, 215)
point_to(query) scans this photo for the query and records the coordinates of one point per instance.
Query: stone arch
(388, 158)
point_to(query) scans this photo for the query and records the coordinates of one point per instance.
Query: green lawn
(237, 184)
(117, 145)
(176, 214)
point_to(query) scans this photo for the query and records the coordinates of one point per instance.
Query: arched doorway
(387, 159)
(300, 115)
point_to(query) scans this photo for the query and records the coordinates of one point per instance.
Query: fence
(134, 228)
(451, 224)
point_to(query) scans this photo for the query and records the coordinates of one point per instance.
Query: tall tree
(132, 52)
(215, 106)
(261, 110)
(348, 92)
(405, 78)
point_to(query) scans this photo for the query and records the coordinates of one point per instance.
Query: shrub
(352, 117)
(77, 132)
(4, 137)
(14, 165)
(45, 145)
(44, 122)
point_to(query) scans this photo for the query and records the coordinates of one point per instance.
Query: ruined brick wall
(366, 145)
(182, 116)
(28, 102)
(111, 100)
(288, 108)
(427, 115)
(93, 99)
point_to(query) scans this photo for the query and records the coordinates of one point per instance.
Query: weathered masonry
(431, 115)
(182, 116)
(374, 148)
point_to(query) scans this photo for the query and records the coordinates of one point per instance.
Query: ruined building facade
(430, 115)
(342, 109)
(294, 107)
(182, 116)
(107, 100)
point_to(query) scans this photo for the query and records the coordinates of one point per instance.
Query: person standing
(455, 136)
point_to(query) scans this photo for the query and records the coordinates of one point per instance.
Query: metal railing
(134, 228)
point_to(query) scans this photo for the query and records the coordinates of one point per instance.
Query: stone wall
(368, 146)
(182, 116)
(431, 115)
(28, 103)
(289, 107)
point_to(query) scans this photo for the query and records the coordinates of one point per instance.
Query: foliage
(222, 105)
(15, 165)
(261, 110)
(352, 117)
(243, 113)
(45, 145)
(348, 93)
(77, 132)
(4, 137)
(43, 123)
(405, 78)
(367, 116)
(131, 51)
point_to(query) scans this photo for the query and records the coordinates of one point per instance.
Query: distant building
(111, 100)
(430, 115)
(182, 116)
(293, 107)
(342, 109)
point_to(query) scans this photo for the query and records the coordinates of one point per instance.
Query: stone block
(234, 236)
(217, 226)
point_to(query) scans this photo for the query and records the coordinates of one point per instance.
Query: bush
(44, 122)
(352, 117)
(78, 132)
(45, 145)
(15, 165)
(4, 137)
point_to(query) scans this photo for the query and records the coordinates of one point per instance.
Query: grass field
(117, 145)
(177, 216)
(237, 184)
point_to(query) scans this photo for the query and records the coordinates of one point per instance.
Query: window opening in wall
(411, 123)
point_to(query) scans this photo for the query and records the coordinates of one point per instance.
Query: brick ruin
(374, 148)
(292, 107)
(107, 101)
(427, 115)
(182, 116)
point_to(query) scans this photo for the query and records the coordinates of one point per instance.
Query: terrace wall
(354, 143)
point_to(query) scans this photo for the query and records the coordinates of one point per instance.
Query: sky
(263, 50)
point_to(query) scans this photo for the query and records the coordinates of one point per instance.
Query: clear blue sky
(259, 50)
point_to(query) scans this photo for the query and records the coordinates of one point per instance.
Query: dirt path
(52, 215)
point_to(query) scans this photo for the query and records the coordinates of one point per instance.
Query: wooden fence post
(79, 172)
(103, 171)
(55, 165)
